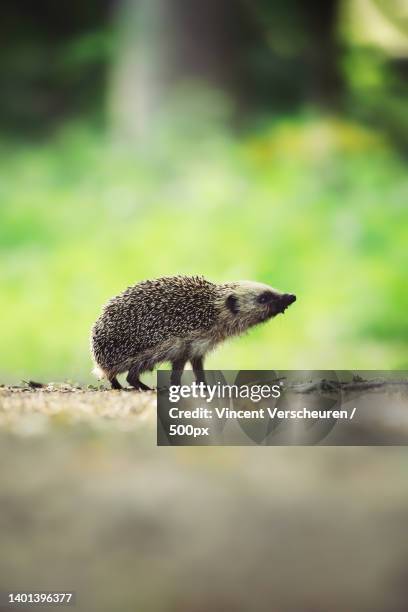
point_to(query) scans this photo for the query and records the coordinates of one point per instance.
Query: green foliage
(314, 206)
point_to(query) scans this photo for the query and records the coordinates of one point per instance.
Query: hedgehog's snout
(285, 300)
(274, 303)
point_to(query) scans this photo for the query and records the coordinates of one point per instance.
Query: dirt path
(24, 409)
(90, 503)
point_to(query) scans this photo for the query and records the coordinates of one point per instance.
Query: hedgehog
(176, 319)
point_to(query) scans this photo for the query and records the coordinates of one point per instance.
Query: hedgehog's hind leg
(115, 383)
(134, 380)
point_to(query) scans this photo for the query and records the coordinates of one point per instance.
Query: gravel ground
(28, 410)
(89, 503)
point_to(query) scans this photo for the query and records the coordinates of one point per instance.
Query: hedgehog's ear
(232, 303)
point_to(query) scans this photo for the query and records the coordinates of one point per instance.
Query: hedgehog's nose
(288, 299)
(285, 300)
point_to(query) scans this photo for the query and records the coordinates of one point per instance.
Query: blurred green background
(262, 140)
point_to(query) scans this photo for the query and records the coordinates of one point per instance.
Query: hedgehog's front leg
(177, 371)
(198, 369)
(133, 380)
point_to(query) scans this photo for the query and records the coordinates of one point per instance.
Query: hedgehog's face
(256, 302)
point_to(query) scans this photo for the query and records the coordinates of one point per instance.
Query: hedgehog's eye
(232, 303)
(266, 297)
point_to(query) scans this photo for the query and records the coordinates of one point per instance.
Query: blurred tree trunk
(137, 74)
(165, 42)
(276, 55)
